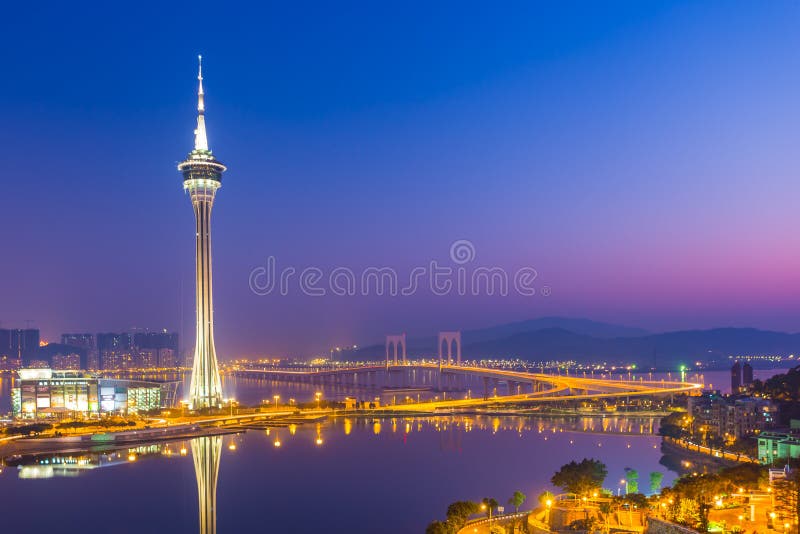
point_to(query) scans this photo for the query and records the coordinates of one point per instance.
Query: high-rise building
(19, 343)
(167, 358)
(146, 358)
(85, 342)
(747, 374)
(116, 351)
(736, 377)
(66, 362)
(5, 343)
(156, 349)
(202, 176)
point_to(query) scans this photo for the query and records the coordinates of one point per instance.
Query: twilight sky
(641, 156)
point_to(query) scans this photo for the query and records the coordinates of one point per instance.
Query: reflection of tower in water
(206, 452)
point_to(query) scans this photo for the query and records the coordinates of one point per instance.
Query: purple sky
(641, 156)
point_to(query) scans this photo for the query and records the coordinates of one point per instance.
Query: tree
(700, 490)
(631, 480)
(688, 513)
(459, 511)
(439, 527)
(606, 508)
(745, 475)
(655, 481)
(581, 478)
(497, 529)
(673, 425)
(517, 499)
(489, 504)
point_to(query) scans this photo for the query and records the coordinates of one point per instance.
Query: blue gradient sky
(642, 156)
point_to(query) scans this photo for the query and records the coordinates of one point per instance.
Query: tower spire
(200, 139)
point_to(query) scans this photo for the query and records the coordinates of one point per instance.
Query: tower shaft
(206, 386)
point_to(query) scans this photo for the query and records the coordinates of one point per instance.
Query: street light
(548, 503)
(318, 395)
(276, 397)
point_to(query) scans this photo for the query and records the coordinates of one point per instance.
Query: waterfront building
(167, 358)
(85, 342)
(736, 377)
(748, 416)
(46, 393)
(115, 351)
(8, 363)
(156, 349)
(778, 446)
(146, 358)
(66, 362)
(747, 374)
(202, 176)
(715, 416)
(19, 343)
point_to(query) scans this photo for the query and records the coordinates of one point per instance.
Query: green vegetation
(581, 478)
(655, 481)
(457, 515)
(674, 426)
(691, 497)
(517, 499)
(783, 387)
(631, 481)
(459, 511)
(32, 429)
(488, 504)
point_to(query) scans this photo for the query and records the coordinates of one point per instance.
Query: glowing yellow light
(132, 457)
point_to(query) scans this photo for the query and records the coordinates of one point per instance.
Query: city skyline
(591, 148)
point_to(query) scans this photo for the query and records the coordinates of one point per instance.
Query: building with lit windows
(45, 393)
(87, 343)
(730, 418)
(66, 362)
(20, 344)
(115, 351)
(775, 447)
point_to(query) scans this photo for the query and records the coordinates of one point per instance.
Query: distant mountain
(427, 345)
(553, 338)
(659, 350)
(585, 327)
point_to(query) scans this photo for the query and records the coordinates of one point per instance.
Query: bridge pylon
(451, 339)
(396, 341)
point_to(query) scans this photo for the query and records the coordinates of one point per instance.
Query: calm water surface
(347, 475)
(353, 475)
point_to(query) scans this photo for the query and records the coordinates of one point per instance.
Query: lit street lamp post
(276, 397)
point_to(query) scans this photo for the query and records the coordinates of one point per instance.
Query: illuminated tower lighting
(202, 176)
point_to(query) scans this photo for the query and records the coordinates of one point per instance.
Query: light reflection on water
(347, 474)
(353, 474)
